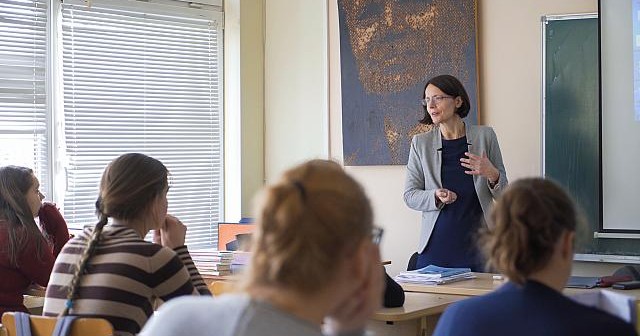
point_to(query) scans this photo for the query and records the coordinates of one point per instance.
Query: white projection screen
(620, 114)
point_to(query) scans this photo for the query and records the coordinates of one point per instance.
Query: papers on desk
(434, 275)
(620, 305)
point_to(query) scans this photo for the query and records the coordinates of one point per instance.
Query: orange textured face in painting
(399, 43)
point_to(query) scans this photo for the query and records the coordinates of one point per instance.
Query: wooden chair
(220, 287)
(44, 326)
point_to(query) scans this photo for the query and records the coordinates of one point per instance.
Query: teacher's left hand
(480, 165)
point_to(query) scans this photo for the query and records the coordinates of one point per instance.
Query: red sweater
(54, 225)
(14, 281)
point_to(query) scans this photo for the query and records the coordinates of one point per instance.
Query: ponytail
(529, 218)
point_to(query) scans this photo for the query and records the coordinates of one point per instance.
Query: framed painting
(388, 50)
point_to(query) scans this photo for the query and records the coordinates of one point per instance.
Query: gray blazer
(423, 174)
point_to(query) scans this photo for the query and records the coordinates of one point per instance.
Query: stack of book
(434, 275)
(210, 262)
(240, 261)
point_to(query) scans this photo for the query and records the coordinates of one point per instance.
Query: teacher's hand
(446, 196)
(480, 165)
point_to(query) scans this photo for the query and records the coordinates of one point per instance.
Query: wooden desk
(482, 284)
(418, 316)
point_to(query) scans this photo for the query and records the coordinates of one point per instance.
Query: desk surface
(417, 305)
(484, 283)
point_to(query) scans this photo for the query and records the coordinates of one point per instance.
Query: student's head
(20, 200)
(456, 98)
(133, 185)
(133, 188)
(312, 218)
(534, 225)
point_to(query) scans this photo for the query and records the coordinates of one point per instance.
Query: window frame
(56, 166)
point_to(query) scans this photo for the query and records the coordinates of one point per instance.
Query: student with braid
(315, 259)
(110, 271)
(25, 256)
(531, 243)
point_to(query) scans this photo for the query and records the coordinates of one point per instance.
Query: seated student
(110, 271)
(314, 260)
(25, 256)
(532, 244)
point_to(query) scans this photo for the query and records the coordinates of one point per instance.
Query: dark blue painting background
(363, 114)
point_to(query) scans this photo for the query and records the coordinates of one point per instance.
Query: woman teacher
(454, 172)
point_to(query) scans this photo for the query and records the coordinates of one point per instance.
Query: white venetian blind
(23, 113)
(138, 80)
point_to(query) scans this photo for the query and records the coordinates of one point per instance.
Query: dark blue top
(453, 243)
(530, 310)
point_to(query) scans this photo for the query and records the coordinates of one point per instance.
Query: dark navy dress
(453, 241)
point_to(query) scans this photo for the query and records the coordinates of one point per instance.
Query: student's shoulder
(476, 307)
(460, 317)
(197, 315)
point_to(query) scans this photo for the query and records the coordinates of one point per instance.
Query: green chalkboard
(572, 124)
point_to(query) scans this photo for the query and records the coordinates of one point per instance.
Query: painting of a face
(398, 43)
(388, 51)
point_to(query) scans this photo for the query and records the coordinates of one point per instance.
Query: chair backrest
(44, 326)
(220, 287)
(413, 262)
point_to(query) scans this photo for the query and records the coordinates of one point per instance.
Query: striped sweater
(122, 279)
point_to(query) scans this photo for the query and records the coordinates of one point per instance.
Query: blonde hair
(128, 185)
(529, 218)
(306, 221)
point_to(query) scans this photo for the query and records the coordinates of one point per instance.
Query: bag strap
(23, 324)
(63, 326)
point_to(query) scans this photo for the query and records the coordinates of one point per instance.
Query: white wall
(510, 44)
(244, 105)
(295, 83)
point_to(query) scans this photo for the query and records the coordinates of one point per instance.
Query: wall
(275, 93)
(510, 57)
(511, 75)
(295, 83)
(252, 78)
(244, 105)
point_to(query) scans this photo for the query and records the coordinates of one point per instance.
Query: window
(134, 77)
(23, 110)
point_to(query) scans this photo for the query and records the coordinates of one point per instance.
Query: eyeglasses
(376, 234)
(436, 100)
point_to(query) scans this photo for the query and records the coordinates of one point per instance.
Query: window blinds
(23, 112)
(138, 80)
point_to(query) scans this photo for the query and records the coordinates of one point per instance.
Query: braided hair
(129, 184)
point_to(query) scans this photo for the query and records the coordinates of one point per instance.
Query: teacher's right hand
(446, 196)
